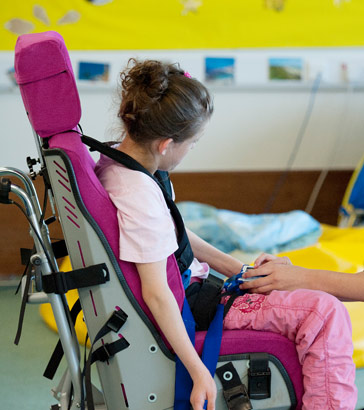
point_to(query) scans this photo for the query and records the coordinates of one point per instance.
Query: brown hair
(159, 101)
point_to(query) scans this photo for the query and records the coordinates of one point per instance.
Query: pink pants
(320, 326)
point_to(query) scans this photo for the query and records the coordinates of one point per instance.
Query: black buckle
(259, 384)
(107, 350)
(237, 397)
(214, 280)
(102, 353)
(106, 355)
(117, 320)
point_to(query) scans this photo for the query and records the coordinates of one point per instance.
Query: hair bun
(148, 79)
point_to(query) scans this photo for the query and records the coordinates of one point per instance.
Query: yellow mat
(339, 249)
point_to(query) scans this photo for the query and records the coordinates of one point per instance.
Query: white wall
(255, 124)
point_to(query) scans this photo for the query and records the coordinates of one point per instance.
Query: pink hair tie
(187, 74)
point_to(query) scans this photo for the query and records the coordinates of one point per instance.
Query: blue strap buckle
(231, 285)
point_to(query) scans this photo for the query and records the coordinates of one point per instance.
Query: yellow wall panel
(190, 24)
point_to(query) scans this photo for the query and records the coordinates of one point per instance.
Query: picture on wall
(220, 70)
(93, 71)
(285, 68)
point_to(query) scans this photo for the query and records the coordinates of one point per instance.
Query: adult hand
(204, 388)
(266, 257)
(278, 274)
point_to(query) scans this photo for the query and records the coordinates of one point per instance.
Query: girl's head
(159, 101)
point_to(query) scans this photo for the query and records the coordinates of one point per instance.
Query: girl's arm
(282, 275)
(162, 303)
(217, 260)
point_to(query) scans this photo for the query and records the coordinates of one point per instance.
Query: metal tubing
(68, 341)
(27, 182)
(29, 209)
(69, 348)
(65, 391)
(38, 298)
(38, 146)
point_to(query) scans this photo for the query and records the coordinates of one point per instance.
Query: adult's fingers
(263, 258)
(265, 290)
(282, 260)
(256, 283)
(262, 270)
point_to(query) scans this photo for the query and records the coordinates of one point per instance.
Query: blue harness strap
(183, 382)
(211, 347)
(210, 355)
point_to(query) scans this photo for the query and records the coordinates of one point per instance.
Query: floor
(22, 385)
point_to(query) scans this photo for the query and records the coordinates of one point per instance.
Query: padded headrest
(47, 84)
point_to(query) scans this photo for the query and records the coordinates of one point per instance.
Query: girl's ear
(164, 145)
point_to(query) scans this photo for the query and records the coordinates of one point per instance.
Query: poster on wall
(95, 72)
(186, 24)
(219, 70)
(285, 68)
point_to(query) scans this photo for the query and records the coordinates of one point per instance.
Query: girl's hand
(278, 274)
(159, 298)
(266, 257)
(204, 388)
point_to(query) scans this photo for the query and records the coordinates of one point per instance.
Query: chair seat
(235, 342)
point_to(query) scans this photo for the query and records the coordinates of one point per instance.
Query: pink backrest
(44, 73)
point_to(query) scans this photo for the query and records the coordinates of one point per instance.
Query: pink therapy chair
(142, 375)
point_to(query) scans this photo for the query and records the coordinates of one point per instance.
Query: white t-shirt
(146, 228)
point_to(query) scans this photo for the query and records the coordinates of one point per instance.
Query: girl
(164, 112)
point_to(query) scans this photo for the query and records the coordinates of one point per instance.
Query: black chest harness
(183, 254)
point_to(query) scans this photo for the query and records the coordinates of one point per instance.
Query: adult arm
(217, 260)
(280, 274)
(162, 303)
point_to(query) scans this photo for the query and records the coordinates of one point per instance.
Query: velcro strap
(24, 300)
(108, 350)
(59, 249)
(235, 392)
(5, 188)
(62, 282)
(57, 354)
(25, 255)
(104, 352)
(259, 377)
